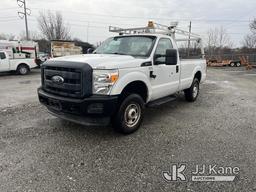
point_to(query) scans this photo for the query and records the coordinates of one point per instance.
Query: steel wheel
(23, 70)
(195, 90)
(192, 93)
(132, 114)
(129, 116)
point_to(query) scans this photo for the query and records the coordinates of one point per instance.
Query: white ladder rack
(156, 28)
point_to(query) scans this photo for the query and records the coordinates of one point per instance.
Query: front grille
(72, 85)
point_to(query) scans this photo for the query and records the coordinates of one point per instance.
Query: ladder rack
(156, 28)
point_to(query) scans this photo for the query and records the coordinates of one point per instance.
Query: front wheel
(192, 93)
(130, 114)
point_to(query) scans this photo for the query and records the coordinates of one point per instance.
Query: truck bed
(187, 67)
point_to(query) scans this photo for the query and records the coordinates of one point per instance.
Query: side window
(161, 48)
(2, 55)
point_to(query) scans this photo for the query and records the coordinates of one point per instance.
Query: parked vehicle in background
(43, 56)
(60, 48)
(140, 67)
(20, 49)
(222, 63)
(21, 66)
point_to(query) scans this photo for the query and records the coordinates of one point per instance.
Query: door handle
(152, 75)
(177, 69)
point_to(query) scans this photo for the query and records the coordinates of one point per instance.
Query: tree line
(53, 27)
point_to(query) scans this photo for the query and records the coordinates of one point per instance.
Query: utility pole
(189, 36)
(24, 14)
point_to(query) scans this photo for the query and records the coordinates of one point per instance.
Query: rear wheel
(232, 64)
(192, 93)
(238, 64)
(130, 114)
(23, 70)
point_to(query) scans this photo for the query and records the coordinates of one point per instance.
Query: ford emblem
(57, 79)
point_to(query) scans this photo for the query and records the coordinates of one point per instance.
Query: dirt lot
(39, 152)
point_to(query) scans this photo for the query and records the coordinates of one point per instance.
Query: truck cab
(124, 75)
(4, 62)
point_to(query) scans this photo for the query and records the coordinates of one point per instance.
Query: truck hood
(104, 61)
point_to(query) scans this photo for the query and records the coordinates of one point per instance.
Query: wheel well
(23, 64)
(137, 87)
(198, 75)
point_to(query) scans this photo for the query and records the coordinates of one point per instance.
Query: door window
(2, 55)
(161, 48)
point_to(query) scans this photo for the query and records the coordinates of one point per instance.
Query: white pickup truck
(124, 75)
(21, 66)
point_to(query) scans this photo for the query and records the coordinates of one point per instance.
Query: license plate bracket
(55, 104)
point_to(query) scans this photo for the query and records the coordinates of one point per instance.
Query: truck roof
(143, 34)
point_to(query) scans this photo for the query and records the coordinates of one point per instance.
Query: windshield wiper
(116, 53)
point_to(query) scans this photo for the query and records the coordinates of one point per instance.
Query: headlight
(103, 81)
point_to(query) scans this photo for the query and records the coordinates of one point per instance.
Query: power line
(7, 9)
(8, 17)
(24, 14)
(80, 25)
(8, 20)
(107, 25)
(154, 18)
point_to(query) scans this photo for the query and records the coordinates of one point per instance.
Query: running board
(161, 101)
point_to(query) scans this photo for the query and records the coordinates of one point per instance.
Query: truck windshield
(137, 46)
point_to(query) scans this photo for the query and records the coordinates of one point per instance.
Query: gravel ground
(39, 152)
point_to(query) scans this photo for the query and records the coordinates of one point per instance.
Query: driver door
(166, 81)
(4, 62)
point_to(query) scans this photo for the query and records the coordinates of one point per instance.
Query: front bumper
(88, 111)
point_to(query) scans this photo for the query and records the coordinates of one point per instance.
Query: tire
(232, 64)
(23, 70)
(192, 93)
(130, 114)
(238, 64)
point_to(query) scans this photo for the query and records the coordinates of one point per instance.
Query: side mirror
(171, 57)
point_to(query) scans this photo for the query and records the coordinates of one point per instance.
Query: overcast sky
(234, 15)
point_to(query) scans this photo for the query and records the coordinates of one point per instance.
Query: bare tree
(253, 26)
(217, 40)
(34, 35)
(9, 37)
(223, 38)
(250, 41)
(212, 38)
(52, 26)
